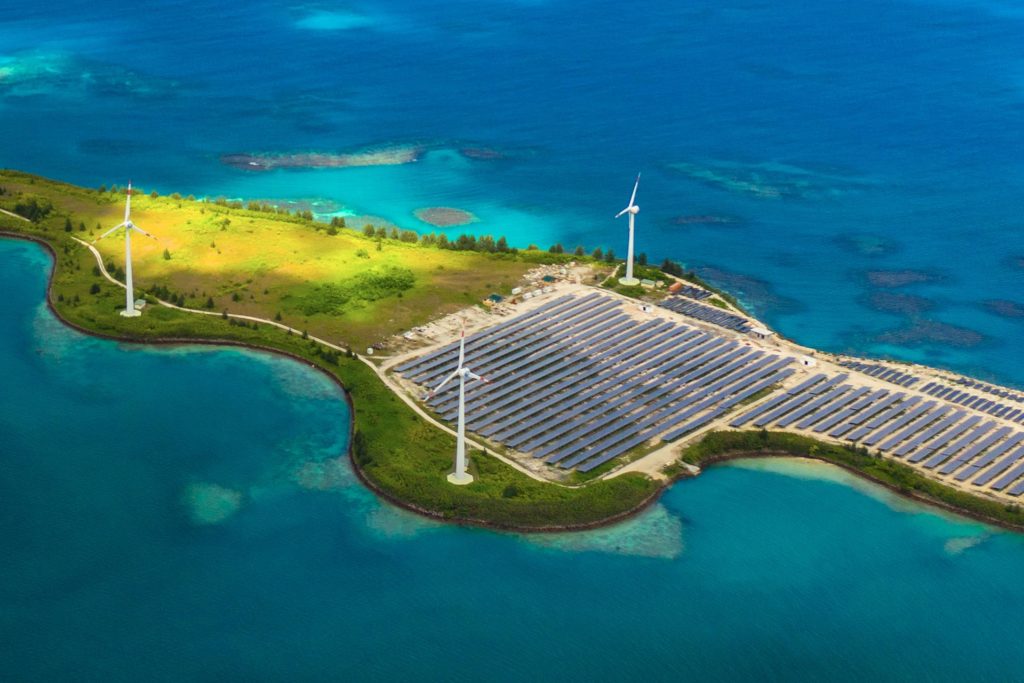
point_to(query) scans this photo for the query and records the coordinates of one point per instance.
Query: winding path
(380, 373)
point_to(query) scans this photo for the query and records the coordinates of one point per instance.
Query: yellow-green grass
(263, 264)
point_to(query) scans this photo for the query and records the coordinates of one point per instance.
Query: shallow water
(837, 139)
(752, 571)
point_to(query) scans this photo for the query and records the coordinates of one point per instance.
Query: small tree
(368, 230)
(641, 259)
(578, 251)
(597, 254)
(209, 302)
(609, 257)
(224, 314)
(167, 255)
(277, 317)
(502, 245)
(67, 225)
(94, 288)
(556, 249)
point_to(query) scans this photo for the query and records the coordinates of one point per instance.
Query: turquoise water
(835, 139)
(108, 571)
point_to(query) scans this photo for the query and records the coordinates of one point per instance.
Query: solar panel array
(692, 292)
(708, 314)
(991, 389)
(935, 435)
(1007, 411)
(882, 372)
(579, 383)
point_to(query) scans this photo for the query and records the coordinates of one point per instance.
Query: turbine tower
(459, 476)
(632, 209)
(129, 306)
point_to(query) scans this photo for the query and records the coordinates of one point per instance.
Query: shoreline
(709, 461)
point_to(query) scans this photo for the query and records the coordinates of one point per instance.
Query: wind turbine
(459, 476)
(632, 209)
(129, 307)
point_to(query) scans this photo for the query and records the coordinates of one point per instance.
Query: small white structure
(632, 209)
(760, 332)
(140, 304)
(131, 310)
(516, 291)
(460, 476)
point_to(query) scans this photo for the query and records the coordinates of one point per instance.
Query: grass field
(345, 287)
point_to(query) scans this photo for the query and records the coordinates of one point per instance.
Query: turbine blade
(135, 227)
(622, 212)
(128, 202)
(116, 227)
(473, 375)
(462, 347)
(635, 185)
(438, 388)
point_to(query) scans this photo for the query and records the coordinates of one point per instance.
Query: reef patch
(444, 216)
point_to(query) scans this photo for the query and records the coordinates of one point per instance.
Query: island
(551, 447)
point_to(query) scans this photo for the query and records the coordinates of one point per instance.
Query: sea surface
(181, 514)
(851, 170)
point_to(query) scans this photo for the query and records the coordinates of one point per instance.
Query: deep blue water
(891, 128)
(762, 571)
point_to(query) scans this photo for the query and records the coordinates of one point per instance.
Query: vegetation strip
(717, 447)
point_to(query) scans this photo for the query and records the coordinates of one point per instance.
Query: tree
(597, 254)
(609, 257)
(209, 302)
(236, 297)
(278, 316)
(332, 230)
(502, 245)
(670, 267)
(368, 230)
(556, 249)
(338, 221)
(81, 226)
(224, 314)
(578, 251)
(154, 194)
(532, 247)
(167, 255)
(442, 241)
(94, 288)
(486, 243)
(67, 225)
(393, 233)
(641, 259)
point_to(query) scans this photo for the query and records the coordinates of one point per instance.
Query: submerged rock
(1005, 308)
(933, 332)
(893, 302)
(208, 503)
(900, 278)
(444, 216)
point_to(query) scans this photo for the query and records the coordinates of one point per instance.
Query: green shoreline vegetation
(719, 446)
(394, 451)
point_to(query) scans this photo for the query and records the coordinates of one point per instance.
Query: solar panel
(989, 456)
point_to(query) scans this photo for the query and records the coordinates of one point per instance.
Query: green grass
(905, 479)
(399, 453)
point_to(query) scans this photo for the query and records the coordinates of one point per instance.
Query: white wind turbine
(460, 476)
(632, 209)
(129, 307)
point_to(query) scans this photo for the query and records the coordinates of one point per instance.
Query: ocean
(209, 532)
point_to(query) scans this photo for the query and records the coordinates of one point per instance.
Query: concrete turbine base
(131, 313)
(460, 479)
(629, 281)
